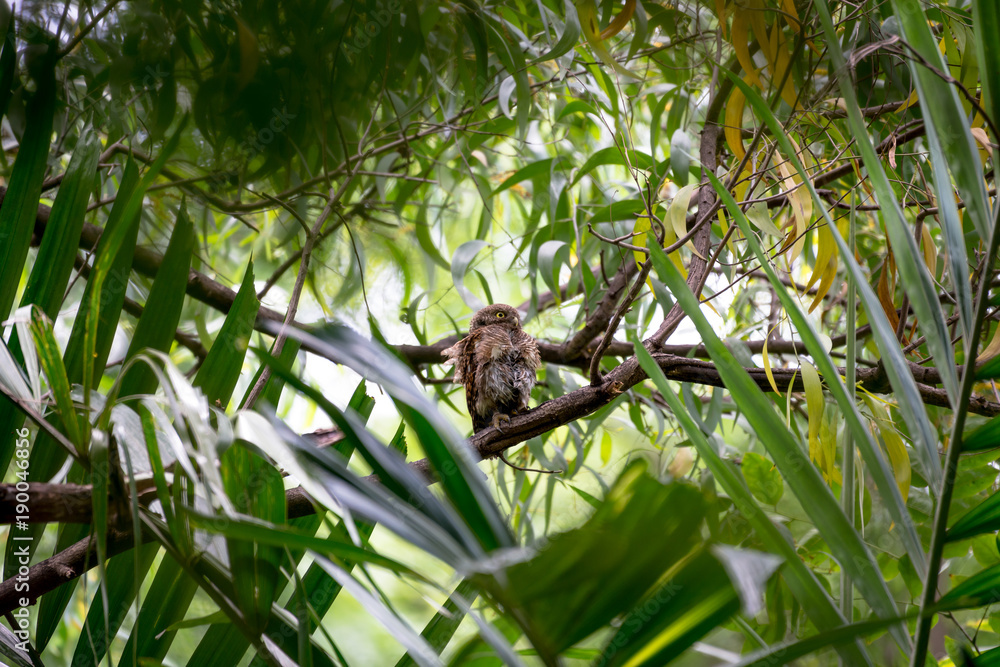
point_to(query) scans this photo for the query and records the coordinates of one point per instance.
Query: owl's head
(497, 314)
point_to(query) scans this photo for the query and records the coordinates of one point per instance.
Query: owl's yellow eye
(501, 315)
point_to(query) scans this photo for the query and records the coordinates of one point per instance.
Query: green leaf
(539, 168)
(224, 645)
(116, 239)
(577, 106)
(52, 606)
(509, 52)
(799, 473)
(100, 464)
(871, 452)
(986, 18)
(20, 204)
(12, 648)
(54, 263)
(8, 64)
(986, 436)
(680, 156)
(440, 629)
(567, 40)
(112, 292)
(976, 591)
(48, 454)
(257, 490)
(162, 310)
(121, 575)
(763, 478)
(272, 390)
(460, 265)
(219, 373)
(910, 402)
(983, 518)
(698, 597)
(989, 370)
(803, 583)
(638, 534)
(422, 230)
(414, 644)
(787, 652)
(614, 156)
(164, 604)
(76, 428)
(551, 256)
(946, 120)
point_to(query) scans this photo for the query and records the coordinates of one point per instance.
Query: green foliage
(303, 203)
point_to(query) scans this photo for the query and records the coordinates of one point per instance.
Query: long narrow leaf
(803, 583)
(910, 402)
(103, 263)
(20, 204)
(221, 370)
(162, 312)
(450, 457)
(878, 465)
(803, 478)
(54, 262)
(945, 118)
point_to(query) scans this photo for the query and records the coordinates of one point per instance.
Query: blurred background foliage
(235, 237)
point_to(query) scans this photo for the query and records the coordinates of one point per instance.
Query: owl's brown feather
(496, 362)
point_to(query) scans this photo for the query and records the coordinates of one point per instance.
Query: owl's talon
(498, 418)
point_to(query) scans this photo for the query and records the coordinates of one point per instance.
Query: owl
(496, 362)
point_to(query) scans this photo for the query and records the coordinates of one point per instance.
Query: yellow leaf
(828, 445)
(991, 350)
(899, 459)
(910, 101)
(826, 266)
(720, 12)
(983, 139)
(733, 128)
(587, 12)
(758, 24)
(677, 213)
(724, 227)
(783, 60)
(249, 56)
(639, 232)
(791, 16)
(930, 250)
(814, 407)
(801, 205)
(740, 39)
(884, 292)
(620, 21)
(767, 364)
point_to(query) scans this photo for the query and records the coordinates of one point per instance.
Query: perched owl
(496, 362)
